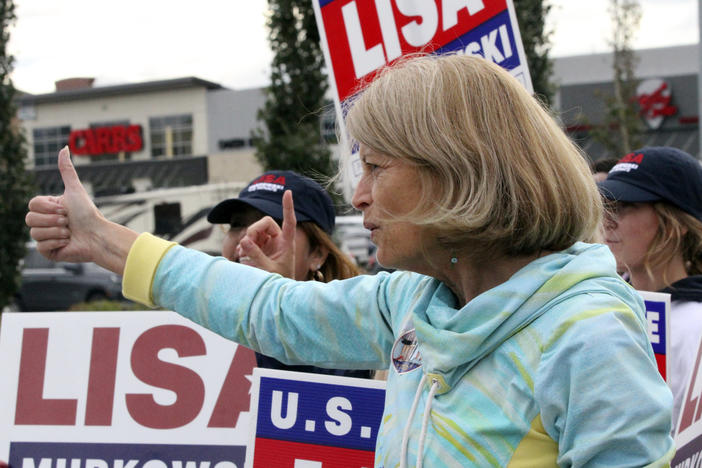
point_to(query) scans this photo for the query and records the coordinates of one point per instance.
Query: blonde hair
(496, 170)
(677, 232)
(337, 265)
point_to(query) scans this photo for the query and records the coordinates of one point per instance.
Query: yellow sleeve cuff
(142, 261)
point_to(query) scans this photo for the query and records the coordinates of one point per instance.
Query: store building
(142, 136)
(667, 97)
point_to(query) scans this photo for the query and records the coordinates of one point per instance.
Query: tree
(621, 129)
(292, 137)
(531, 16)
(16, 184)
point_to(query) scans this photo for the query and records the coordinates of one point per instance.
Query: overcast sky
(225, 40)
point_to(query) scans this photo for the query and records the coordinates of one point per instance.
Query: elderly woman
(510, 342)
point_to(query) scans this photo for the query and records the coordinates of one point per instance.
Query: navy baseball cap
(265, 193)
(657, 173)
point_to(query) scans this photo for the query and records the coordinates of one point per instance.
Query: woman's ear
(317, 258)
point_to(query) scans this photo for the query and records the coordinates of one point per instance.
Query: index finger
(289, 220)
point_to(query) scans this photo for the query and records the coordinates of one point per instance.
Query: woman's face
(305, 260)
(629, 230)
(389, 188)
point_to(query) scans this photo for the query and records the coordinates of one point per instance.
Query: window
(232, 143)
(171, 135)
(48, 141)
(167, 219)
(110, 156)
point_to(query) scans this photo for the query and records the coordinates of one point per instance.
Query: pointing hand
(268, 246)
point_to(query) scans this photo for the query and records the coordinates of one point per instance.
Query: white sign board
(128, 389)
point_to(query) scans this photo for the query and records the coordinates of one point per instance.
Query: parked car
(56, 286)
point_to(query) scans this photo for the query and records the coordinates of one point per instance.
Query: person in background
(509, 341)
(601, 168)
(316, 255)
(653, 225)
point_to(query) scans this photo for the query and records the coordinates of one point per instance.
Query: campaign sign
(688, 438)
(359, 37)
(121, 389)
(658, 320)
(314, 421)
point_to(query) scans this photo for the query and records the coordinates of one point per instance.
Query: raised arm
(70, 227)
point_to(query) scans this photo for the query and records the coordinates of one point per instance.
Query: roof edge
(116, 90)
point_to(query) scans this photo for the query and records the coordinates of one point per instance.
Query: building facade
(667, 97)
(143, 136)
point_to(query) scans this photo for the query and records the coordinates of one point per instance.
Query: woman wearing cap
(509, 341)
(653, 226)
(316, 255)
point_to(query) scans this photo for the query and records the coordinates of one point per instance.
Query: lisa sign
(136, 390)
(361, 36)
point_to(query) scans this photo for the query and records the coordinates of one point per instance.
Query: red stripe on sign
(660, 361)
(283, 454)
(364, 35)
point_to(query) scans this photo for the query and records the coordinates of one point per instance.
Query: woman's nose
(361, 196)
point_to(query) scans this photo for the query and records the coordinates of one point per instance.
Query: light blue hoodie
(553, 367)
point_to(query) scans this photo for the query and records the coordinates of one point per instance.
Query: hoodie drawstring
(425, 422)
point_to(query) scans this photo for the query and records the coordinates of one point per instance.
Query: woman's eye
(370, 167)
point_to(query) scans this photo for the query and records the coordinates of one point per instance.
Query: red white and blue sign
(360, 37)
(657, 321)
(121, 389)
(309, 420)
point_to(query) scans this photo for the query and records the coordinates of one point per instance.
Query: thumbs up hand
(63, 226)
(70, 227)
